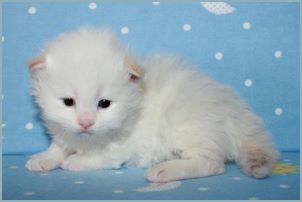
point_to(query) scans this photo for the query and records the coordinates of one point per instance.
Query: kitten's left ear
(134, 69)
(38, 62)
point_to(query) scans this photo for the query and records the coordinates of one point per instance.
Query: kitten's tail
(257, 155)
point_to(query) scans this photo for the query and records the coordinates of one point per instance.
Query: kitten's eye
(104, 103)
(69, 102)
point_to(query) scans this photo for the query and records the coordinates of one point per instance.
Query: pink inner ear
(134, 69)
(36, 63)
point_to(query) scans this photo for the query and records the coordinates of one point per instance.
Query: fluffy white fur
(171, 119)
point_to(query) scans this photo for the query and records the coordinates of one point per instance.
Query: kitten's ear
(38, 62)
(134, 69)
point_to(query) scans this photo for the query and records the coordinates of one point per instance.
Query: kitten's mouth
(85, 132)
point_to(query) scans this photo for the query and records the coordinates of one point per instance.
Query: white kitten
(104, 109)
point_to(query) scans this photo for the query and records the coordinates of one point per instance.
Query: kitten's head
(86, 83)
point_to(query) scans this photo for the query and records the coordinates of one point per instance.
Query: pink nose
(86, 123)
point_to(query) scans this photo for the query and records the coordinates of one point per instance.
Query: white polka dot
(236, 178)
(92, 6)
(278, 111)
(125, 30)
(218, 8)
(2, 97)
(253, 198)
(286, 160)
(248, 83)
(278, 54)
(118, 191)
(32, 10)
(3, 125)
(284, 186)
(79, 182)
(29, 193)
(14, 167)
(29, 126)
(186, 27)
(2, 38)
(203, 189)
(119, 172)
(155, 3)
(246, 25)
(218, 56)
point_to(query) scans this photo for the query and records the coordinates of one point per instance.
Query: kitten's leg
(178, 169)
(90, 161)
(256, 160)
(47, 160)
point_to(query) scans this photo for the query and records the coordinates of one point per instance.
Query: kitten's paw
(78, 162)
(183, 169)
(258, 164)
(161, 173)
(42, 162)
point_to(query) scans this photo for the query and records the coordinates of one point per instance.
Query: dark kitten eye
(104, 103)
(68, 102)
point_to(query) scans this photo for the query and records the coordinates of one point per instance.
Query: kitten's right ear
(135, 70)
(38, 62)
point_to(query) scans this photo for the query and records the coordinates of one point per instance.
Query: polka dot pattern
(118, 191)
(218, 56)
(278, 111)
(125, 30)
(186, 27)
(133, 185)
(236, 178)
(218, 8)
(203, 189)
(29, 193)
(32, 10)
(92, 6)
(248, 83)
(79, 182)
(278, 54)
(29, 126)
(284, 186)
(246, 25)
(156, 3)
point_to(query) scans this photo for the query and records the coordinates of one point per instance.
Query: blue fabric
(128, 183)
(255, 41)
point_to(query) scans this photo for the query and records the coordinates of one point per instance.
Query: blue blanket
(129, 183)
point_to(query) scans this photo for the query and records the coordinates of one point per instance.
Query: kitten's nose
(85, 122)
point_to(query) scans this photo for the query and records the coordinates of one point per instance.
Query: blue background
(247, 54)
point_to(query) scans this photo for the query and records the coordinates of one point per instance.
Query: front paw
(160, 173)
(42, 162)
(78, 162)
